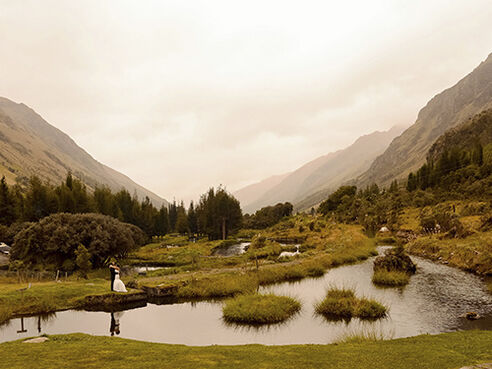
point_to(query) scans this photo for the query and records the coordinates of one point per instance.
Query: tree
(192, 219)
(173, 216)
(7, 204)
(219, 214)
(83, 261)
(181, 221)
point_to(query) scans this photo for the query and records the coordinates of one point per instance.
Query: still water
(432, 303)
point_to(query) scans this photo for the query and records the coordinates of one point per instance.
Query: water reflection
(433, 302)
(115, 323)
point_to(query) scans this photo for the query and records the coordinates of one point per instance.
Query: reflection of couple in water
(115, 323)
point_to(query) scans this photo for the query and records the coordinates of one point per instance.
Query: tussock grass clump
(383, 277)
(343, 304)
(221, 286)
(260, 309)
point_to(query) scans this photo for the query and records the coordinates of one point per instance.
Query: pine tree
(7, 204)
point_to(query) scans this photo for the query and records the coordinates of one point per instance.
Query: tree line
(217, 214)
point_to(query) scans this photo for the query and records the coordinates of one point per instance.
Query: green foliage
(55, 239)
(82, 260)
(219, 214)
(268, 216)
(343, 197)
(260, 309)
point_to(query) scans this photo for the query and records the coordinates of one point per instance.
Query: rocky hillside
(29, 145)
(446, 110)
(327, 172)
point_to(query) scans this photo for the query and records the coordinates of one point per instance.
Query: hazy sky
(183, 95)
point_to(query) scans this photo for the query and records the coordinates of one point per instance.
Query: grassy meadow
(449, 350)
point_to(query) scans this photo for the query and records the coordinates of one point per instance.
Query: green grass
(45, 297)
(444, 351)
(472, 253)
(260, 309)
(343, 304)
(384, 277)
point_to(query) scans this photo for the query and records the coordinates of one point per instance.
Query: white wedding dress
(118, 285)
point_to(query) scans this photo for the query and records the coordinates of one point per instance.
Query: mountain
(327, 172)
(249, 194)
(465, 136)
(406, 153)
(31, 146)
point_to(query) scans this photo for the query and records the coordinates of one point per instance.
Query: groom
(112, 270)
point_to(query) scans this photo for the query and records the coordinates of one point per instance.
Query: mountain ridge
(30, 145)
(447, 109)
(327, 171)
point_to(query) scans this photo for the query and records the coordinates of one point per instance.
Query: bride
(119, 286)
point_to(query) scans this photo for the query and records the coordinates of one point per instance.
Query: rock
(471, 315)
(479, 366)
(395, 260)
(36, 340)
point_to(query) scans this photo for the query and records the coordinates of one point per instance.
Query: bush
(260, 309)
(55, 238)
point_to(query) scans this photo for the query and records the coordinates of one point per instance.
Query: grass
(384, 277)
(472, 253)
(343, 304)
(444, 351)
(260, 309)
(45, 297)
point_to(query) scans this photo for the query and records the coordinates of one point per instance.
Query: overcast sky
(184, 95)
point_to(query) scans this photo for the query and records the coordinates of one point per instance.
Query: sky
(185, 95)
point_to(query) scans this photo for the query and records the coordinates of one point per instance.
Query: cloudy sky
(184, 95)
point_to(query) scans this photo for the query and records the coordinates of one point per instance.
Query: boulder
(395, 260)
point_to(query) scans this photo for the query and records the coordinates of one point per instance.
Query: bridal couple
(117, 284)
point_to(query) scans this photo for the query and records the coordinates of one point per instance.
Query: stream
(433, 302)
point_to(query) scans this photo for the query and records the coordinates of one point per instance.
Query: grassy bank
(44, 297)
(473, 253)
(450, 350)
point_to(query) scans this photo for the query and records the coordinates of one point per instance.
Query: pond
(432, 302)
(232, 250)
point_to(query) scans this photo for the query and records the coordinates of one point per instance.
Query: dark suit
(113, 273)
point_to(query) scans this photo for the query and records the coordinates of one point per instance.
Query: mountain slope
(30, 145)
(327, 172)
(446, 110)
(464, 136)
(249, 194)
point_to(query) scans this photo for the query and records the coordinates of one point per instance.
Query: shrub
(55, 238)
(260, 309)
